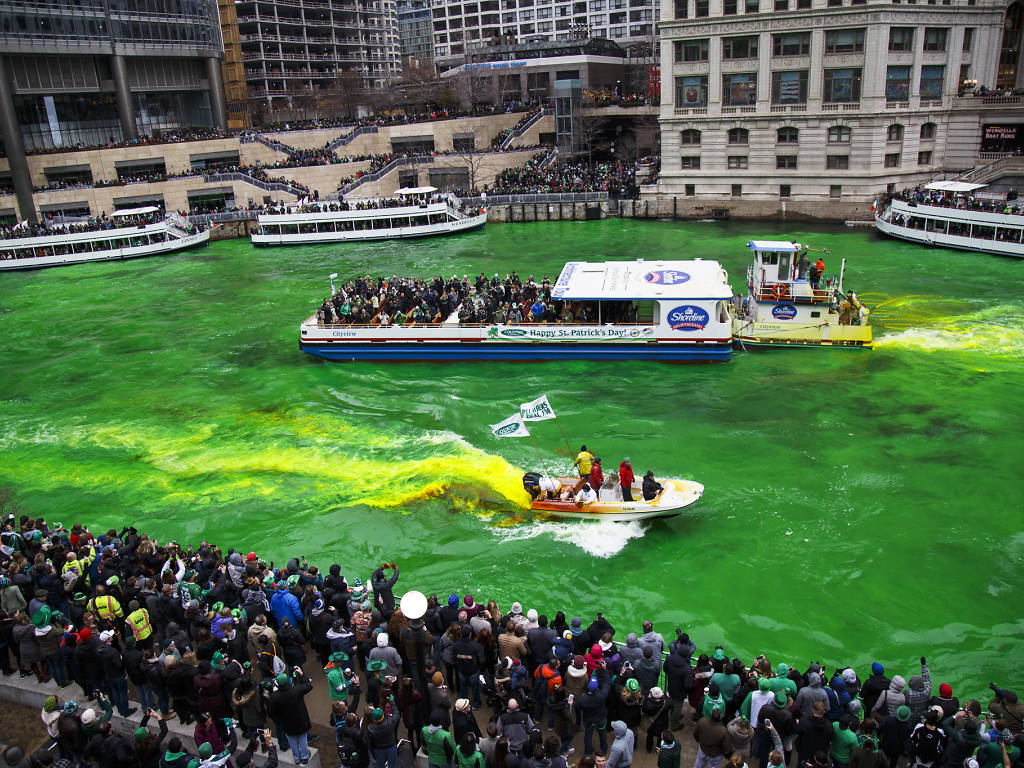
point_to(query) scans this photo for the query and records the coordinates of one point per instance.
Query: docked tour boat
(952, 227)
(547, 496)
(680, 312)
(415, 212)
(782, 309)
(173, 233)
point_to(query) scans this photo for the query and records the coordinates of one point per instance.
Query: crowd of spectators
(412, 301)
(964, 201)
(49, 226)
(616, 178)
(227, 642)
(506, 132)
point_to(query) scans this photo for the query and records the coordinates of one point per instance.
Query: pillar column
(216, 80)
(15, 147)
(125, 109)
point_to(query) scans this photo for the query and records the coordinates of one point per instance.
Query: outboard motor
(531, 484)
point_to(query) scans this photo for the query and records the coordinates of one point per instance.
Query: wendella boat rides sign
(571, 333)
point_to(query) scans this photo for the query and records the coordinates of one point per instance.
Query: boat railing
(312, 319)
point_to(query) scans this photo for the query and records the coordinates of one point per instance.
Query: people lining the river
(229, 641)
(482, 300)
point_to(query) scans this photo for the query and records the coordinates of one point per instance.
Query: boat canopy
(773, 245)
(953, 186)
(135, 211)
(415, 190)
(638, 280)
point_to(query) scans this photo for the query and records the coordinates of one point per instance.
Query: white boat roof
(633, 280)
(953, 186)
(415, 190)
(773, 245)
(134, 211)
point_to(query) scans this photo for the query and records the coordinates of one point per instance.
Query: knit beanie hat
(377, 715)
(437, 678)
(282, 680)
(903, 713)
(763, 685)
(88, 717)
(780, 698)
(946, 691)
(592, 685)
(206, 750)
(782, 670)
(877, 669)
(141, 734)
(50, 704)
(849, 676)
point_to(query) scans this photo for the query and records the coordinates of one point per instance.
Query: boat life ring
(779, 290)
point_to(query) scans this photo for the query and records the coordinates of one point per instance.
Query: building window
(931, 82)
(737, 162)
(844, 41)
(737, 190)
(701, 8)
(842, 86)
(690, 162)
(692, 50)
(739, 47)
(897, 84)
(837, 162)
(803, 4)
(787, 135)
(692, 91)
(924, 158)
(935, 38)
(835, 191)
(739, 90)
(785, 162)
(691, 190)
(689, 137)
(781, 5)
(681, 8)
(728, 7)
(892, 160)
(927, 131)
(789, 87)
(792, 44)
(895, 132)
(839, 134)
(968, 39)
(783, 190)
(739, 136)
(752, 6)
(901, 38)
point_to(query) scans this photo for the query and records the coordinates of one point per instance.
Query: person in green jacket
(438, 743)
(713, 699)
(338, 676)
(781, 681)
(669, 751)
(844, 741)
(468, 755)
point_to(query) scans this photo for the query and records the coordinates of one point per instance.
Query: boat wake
(600, 538)
(997, 330)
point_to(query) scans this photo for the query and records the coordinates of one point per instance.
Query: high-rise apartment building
(829, 99)
(297, 49)
(236, 92)
(460, 26)
(88, 72)
(416, 31)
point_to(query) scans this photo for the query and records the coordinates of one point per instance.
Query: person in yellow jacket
(138, 622)
(106, 607)
(79, 562)
(584, 462)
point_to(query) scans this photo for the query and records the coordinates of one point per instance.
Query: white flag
(511, 427)
(538, 410)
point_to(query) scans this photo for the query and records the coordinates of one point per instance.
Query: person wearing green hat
(782, 681)
(751, 706)
(50, 714)
(147, 746)
(382, 739)
(893, 733)
(339, 678)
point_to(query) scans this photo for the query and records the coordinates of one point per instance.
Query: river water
(859, 505)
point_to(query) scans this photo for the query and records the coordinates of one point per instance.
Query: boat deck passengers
(413, 301)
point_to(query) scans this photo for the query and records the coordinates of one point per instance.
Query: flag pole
(540, 459)
(567, 447)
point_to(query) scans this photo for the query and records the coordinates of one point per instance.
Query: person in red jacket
(626, 479)
(596, 475)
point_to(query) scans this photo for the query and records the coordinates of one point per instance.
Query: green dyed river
(858, 505)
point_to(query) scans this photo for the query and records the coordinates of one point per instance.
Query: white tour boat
(415, 212)
(953, 227)
(782, 309)
(173, 233)
(680, 313)
(547, 496)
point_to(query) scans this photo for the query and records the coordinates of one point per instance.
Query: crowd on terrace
(49, 227)
(616, 178)
(228, 643)
(961, 201)
(412, 301)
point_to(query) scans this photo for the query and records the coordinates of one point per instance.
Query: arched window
(895, 132)
(839, 134)
(690, 136)
(788, 135)
(928, 131)
(738, 136)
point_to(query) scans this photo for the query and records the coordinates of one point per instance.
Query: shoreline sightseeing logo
(666, 277)
(783, 311)
(688, 317)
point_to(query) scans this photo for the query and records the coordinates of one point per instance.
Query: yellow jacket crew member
(138, 621)
(584, 462)
(106, 607)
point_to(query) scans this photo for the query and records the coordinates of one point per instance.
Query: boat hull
(469, 224)
(944, 240)
(676, 496)
(197, 240)
(487, 350)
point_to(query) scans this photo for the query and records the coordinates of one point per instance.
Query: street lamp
(414, 606)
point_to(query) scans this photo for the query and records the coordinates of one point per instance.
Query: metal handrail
(266, 186)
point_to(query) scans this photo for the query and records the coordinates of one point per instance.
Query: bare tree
(474, 163)
(590, 132)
